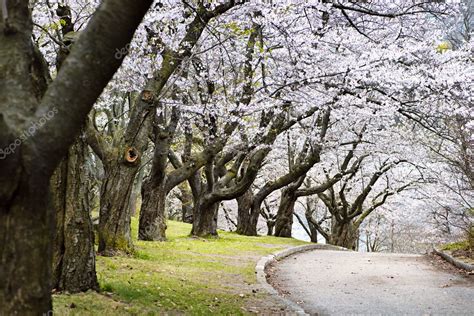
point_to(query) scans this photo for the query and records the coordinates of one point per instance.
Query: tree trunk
(114, 222)
(205, 219)
(26, 226)
(247, 214)
(186, 203)
(152, 214)
(73, 254)
(136, 192)
(270, 227)
(152, 225)
(314, 233)
(344, 235)
(284, 220)
(26, 221)
(312, 229)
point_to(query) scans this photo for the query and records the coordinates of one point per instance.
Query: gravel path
(326, 282)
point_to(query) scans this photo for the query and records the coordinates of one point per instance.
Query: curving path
(327, 282)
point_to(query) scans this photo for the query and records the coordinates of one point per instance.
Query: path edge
(264, 262)
(457, 263)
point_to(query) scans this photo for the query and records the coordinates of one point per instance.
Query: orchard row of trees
(110, 108)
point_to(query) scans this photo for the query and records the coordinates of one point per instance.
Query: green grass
(184, 275)
(460, 245)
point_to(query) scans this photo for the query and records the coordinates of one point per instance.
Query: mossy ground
(460, 245)
(462, 250)
(180, 276)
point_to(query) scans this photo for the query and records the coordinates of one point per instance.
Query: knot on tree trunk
(131, 155)
(148, 96)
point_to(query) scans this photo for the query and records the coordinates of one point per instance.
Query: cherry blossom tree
(350, 106)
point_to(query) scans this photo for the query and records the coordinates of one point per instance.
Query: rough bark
(136, 192)
(205, 219)
(114, 222)
(247, 215)
(58, 190)
(152, 225)
(74, 254)
(344, 234)
(26, 226)
(121, 166)
(312, 230)
(269, 217)
(270, 227)
(186, 198)
(284, 221)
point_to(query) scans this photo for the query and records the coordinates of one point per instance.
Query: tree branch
(96, 141)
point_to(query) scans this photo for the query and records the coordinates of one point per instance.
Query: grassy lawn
(181, 276)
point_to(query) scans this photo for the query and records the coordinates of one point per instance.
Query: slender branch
(96, 141)
(300, 220)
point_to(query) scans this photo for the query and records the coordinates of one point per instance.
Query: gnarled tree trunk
(26, 226)
(270, 227)
(114, 223)
(205, 219)
(247, 215)
(152, 226)
(186, 198)
(136, 192)
(312, 229)
(73, 254)
(152, 214)
(284, 220)
(344, 234)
